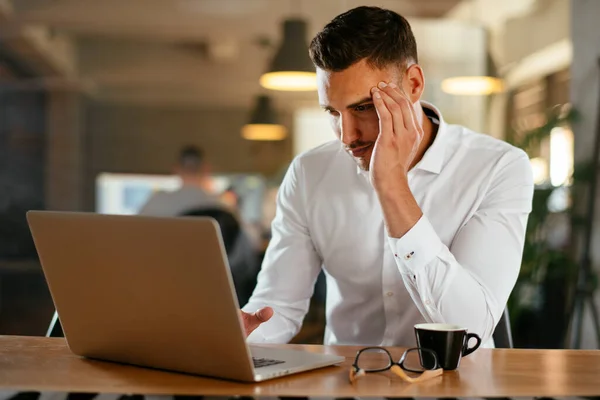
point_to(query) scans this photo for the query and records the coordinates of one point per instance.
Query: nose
(349, 131)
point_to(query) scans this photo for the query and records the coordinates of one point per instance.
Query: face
(346, 97)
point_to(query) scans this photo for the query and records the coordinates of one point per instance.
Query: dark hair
(191, 158)
(380, 36)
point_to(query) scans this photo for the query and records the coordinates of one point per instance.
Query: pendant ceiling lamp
(291, 69)
(487, 84)
(263, 124)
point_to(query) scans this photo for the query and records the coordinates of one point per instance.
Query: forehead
(338, 89)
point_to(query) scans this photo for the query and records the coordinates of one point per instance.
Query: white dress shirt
(458, 263)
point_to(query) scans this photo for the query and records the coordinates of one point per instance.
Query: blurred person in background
(194, 172)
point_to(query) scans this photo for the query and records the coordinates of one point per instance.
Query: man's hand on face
(253, 321)
(399, 138)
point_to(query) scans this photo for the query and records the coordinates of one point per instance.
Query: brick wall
(86, 138)
(146, 139)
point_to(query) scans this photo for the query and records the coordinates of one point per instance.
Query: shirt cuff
(417, 248)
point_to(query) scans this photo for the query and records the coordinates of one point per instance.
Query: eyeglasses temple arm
(423, 377)
(355, 374)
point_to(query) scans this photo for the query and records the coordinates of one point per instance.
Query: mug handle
(468, 350)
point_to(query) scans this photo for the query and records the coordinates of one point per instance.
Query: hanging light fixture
(475, 85)
(263, 124)
(487, 84)
(291, 69)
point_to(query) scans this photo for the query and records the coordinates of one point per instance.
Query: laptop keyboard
(265, 362)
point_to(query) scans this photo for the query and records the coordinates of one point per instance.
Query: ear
(414, 82)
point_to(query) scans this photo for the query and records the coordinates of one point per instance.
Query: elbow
(476, 317)
(487, 328)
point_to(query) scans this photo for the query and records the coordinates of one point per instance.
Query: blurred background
(98, 99)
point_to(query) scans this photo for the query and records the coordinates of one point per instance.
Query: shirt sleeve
(290, 267)
(469, 282)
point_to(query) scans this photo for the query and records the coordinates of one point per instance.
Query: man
(193, 171)
(412, 219)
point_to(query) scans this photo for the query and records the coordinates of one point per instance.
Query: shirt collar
(433, 158)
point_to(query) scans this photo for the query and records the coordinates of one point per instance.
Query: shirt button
(408, 256)
(389, 294)
(427, 303)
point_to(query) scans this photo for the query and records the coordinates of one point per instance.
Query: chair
(228, 223)
(55, 328)
(503, 334)
(243, 257)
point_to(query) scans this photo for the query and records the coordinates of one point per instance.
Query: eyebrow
(367, 99)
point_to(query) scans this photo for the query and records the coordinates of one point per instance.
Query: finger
(250, 322)
(396, 113)
(398, 95)
(264, 314)
(254, 320)
(385, 117)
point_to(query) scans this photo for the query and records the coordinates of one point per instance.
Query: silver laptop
(153, 292)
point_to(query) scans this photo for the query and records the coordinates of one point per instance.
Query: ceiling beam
(35, 46)
(192, 20)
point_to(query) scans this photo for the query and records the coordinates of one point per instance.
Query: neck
(429, 132)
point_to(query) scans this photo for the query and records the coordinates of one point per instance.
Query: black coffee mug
(450, 343)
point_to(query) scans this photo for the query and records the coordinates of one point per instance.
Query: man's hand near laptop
(253, 320)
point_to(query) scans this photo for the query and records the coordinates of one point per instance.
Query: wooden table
(45, 364)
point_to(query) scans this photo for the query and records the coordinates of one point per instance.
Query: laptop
(153, 292)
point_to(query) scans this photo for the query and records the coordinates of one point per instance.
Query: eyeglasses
(415, 360)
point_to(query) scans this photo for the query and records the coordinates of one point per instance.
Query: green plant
(545, 267)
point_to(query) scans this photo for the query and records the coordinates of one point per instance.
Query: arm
(290, 267)
(469, 283)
